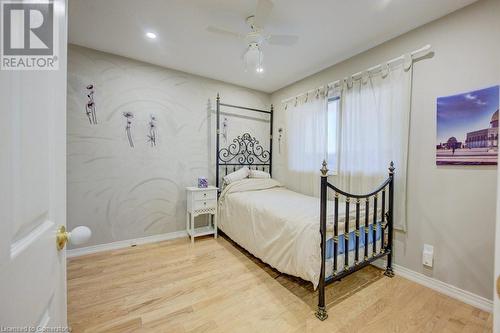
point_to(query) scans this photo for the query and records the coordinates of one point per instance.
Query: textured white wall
(451, 207)
(122, 192)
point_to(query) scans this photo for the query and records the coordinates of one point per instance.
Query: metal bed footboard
(384, 220)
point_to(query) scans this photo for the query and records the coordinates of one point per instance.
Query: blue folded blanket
(352, 241)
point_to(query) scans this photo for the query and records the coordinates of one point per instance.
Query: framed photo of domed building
(467, 128)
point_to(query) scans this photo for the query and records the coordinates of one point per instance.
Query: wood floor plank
(215, 286)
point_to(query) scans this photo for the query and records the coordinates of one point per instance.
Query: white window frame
(335, 167)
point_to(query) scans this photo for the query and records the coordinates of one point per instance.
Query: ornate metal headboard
(245, 150)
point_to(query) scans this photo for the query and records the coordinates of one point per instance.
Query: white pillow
(237, 175)
(259, 174)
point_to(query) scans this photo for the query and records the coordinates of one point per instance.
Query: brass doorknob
(77, 236)
(61, 237)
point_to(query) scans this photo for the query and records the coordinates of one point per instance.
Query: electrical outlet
(428, 255)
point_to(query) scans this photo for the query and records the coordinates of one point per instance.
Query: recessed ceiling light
(151, 35)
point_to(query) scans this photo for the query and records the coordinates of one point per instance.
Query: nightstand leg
(192, 228)
(187, 223)
(215, 224)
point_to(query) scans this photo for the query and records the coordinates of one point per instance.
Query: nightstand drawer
(205, 195)
(200, 204)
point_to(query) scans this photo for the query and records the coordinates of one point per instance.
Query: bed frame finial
(391, 168)
(324, 169)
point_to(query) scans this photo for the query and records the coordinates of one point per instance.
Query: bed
(300, 235)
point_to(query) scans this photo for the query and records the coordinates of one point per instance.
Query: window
(333, 114)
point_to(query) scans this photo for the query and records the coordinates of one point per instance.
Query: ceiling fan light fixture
(253, 58)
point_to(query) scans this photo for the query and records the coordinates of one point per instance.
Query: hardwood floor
(212, 286)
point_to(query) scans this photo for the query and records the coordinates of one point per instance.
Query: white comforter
(279, 226)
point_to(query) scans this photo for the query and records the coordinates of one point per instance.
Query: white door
(33, 190)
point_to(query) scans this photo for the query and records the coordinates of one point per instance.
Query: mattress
(281, 227)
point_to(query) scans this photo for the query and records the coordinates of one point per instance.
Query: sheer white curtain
(374, 131)
(306, 143)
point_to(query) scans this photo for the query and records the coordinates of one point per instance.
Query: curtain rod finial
(324, 169)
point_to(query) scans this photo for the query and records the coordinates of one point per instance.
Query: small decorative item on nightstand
(202, 182)
(201, 201)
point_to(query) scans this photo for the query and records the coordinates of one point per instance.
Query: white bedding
(274, 224)
(279, 226)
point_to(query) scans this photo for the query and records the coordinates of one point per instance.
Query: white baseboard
(441, 287)
(124, 243)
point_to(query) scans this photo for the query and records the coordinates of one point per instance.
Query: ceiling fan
(253, 56)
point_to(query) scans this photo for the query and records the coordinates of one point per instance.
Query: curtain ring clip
(364, 77)
(350, 82)
(408, 61)
(385, 70)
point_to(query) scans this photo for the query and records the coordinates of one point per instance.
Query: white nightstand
(201, 201)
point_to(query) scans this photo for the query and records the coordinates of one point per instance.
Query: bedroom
(164, 120)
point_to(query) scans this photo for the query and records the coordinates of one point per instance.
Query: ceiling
(329, 31)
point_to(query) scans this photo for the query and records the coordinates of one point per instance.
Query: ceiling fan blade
(264, 8)
(228, 33)
(282, 39)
